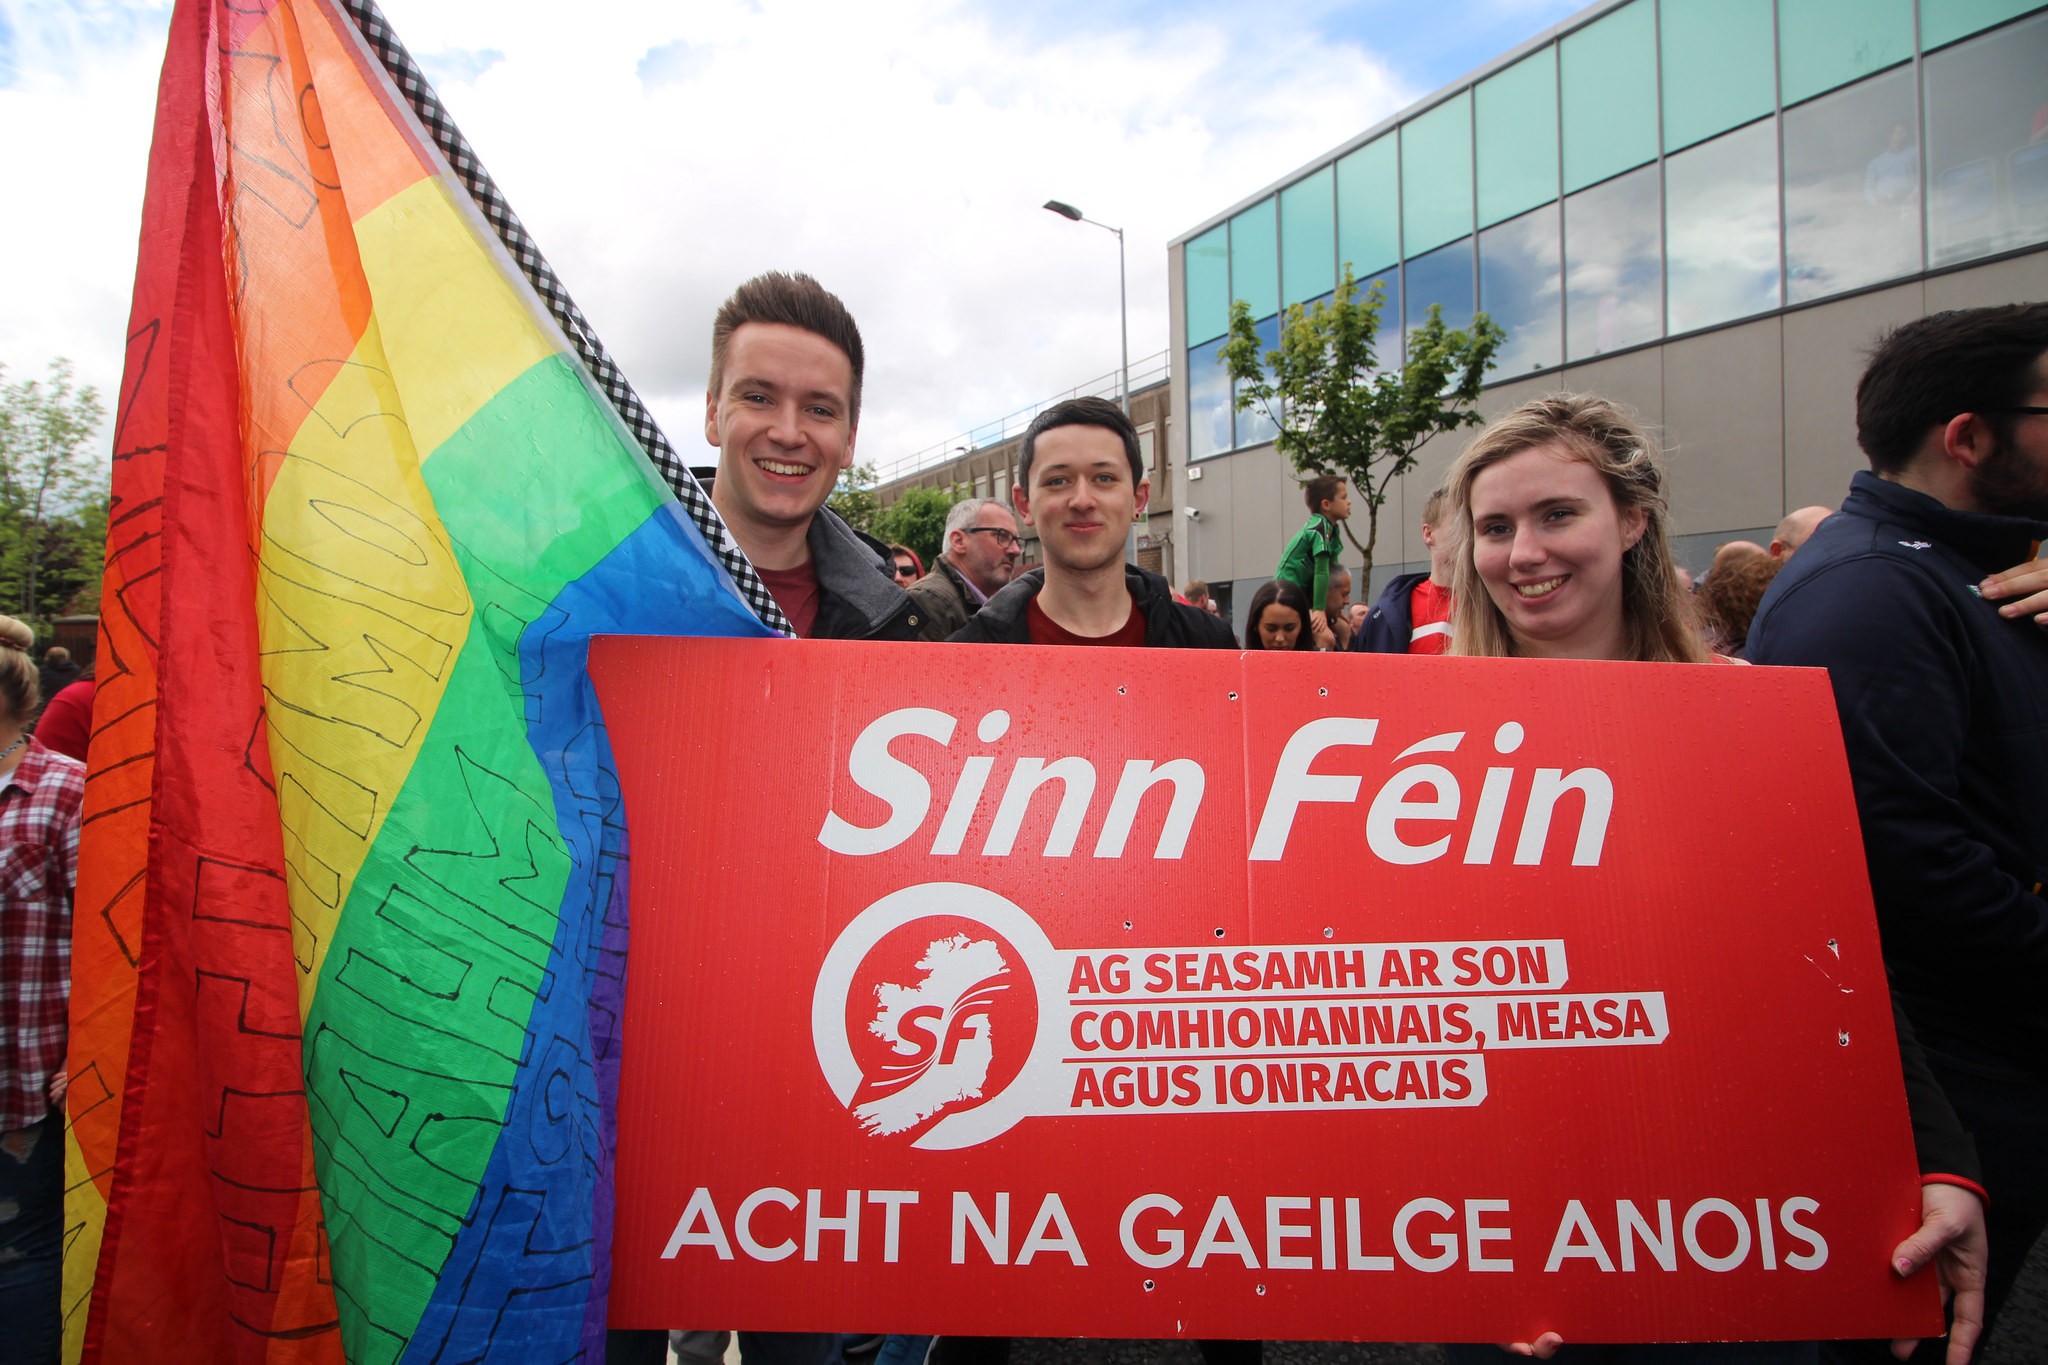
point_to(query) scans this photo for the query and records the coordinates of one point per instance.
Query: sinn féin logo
(930, 1010)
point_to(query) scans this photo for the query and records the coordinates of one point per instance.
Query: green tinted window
(1436, 176)
(1826, 43)
(1308, 238)
(1368, 208)
(1516, 114)
(1944, 21)
(1205, 266)
(1608, 78)
(1255, 259)
(1717, 67)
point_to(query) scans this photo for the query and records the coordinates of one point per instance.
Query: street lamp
(1123, 303)
(1068, 211)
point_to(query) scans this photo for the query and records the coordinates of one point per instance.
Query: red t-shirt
(1429, 618)
(796, 592)
(1046, 631)
(66, 724)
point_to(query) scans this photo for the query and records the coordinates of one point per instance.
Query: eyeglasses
(2023, 410)
(1004, 539)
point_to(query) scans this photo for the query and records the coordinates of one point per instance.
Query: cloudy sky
(660, 151)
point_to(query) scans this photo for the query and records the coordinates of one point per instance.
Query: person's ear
(1634, 523)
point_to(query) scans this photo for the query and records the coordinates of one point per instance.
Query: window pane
(1717, 67)
(1609, 79)
(1852, 188)
(1208, 402)
(1988, 182)
(1516, 115)
(1436, 176)
(1308, 238)
(1944, 21)
(1613, 269)
(1519, 289)
(1386, 342)
(1252, 426)
(1826, 43)
(1255, 259)
(1368, 207)
(1443, 276)
(1721, 205)
(1205, 265)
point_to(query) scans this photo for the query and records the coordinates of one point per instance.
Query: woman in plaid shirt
(40, 794)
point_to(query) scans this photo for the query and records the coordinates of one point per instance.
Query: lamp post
(1068, 211)
(1123, 303)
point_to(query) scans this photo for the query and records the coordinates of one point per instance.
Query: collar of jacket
(1989, 541)
(1146, 589)
(850, 571)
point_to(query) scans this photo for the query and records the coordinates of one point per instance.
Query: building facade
(1706, 209)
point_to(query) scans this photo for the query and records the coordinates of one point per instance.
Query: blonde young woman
(1565, 554)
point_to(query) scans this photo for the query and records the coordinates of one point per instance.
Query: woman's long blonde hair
(1656, 611)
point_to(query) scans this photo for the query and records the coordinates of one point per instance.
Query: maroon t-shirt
(796, 592)
(1046, 631)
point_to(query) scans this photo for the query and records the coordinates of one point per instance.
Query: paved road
(2021, 1339)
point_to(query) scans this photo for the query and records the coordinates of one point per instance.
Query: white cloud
(899, 150)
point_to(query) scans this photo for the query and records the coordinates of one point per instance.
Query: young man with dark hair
(1081, 483)
(783, 408)
(1413, 615)
(1309, 557)
(1943, 700)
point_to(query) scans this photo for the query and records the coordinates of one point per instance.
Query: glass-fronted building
(1704, 208)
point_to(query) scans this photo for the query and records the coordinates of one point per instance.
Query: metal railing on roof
(1153, 369)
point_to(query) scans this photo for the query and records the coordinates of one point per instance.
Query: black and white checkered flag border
(426, 105)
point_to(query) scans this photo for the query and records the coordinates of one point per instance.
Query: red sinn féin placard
(1144, 993)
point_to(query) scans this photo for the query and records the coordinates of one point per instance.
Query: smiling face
(782, 421)
(1548, 541)
(1081, 497)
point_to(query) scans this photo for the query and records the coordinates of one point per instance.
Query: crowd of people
(1549, 539)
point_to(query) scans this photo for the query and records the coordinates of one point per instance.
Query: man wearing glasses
(979, 560)
(1939, 663)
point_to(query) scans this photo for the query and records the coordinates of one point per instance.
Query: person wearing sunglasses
(904, 565)
(979, 560)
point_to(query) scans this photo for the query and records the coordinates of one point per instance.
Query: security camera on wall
(1194, 513)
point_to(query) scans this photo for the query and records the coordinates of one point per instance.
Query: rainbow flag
(351, 915)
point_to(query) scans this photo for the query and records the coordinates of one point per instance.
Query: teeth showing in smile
(777, 467)
(1543, 589)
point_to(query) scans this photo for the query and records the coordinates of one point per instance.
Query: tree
(854, 497)
(53, 492)
(1338, 412)
(917, 519)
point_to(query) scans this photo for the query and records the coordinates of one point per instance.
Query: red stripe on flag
(212, 1250)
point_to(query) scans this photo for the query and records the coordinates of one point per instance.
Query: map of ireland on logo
(928, 1012)
(941, 1032)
